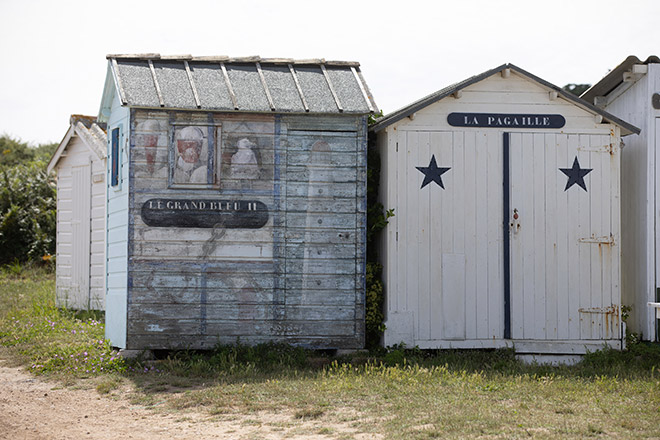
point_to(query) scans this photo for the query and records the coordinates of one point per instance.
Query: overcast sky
(53, 52)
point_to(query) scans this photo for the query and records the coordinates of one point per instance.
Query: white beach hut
(632, 91)
(79, 162)
(506, 233)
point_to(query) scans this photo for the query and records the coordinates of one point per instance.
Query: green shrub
(374, 304)
(377, 218)
(27, 213)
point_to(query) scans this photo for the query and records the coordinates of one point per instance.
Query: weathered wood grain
(296, 279)
(239, 312)
(175, 327)
(185, 342)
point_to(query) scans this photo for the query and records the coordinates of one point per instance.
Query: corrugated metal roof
(615, 77)
(443, 93)
(248, 84)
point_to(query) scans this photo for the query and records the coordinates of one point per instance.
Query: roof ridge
(228, 59)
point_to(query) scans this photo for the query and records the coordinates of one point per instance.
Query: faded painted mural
(245, 227)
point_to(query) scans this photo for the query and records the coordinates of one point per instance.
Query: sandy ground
(31, 408)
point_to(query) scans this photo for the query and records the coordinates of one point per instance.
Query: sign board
(196, 213)
(505, 120)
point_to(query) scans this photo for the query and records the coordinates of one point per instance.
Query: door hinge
(609, 148)
(607, 239)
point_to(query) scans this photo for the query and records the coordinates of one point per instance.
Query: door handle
(515, 224)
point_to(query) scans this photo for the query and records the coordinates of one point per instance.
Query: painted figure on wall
(244, 162)
(149, 132)
(191, 156)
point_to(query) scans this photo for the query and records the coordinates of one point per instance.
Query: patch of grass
(396, 393)
(108, 384)
(309, 413)
(48, 339)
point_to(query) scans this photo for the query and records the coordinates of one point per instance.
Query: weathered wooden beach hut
(506, 233)
(79, 162)
(632, 91)
(236, 201)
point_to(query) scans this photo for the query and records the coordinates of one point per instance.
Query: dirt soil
(32, 408)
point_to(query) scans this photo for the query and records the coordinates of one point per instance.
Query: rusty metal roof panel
(251, 84)
(213, 93)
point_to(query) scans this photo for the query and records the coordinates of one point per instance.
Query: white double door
(522, 241)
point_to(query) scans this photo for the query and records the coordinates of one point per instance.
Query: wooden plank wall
(297, 279)
(637, 195)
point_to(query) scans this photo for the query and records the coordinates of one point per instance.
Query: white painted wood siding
(638, 201)
(564, 245)
(80, 229)
(80, 258)
(443, 250)
(438, 232)
(117, 234)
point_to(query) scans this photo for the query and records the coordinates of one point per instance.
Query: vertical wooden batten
(229, 87)
(155, 78)
(192, 84)
(298, 88)
(362, 89)
(332, 89)
(265, 86)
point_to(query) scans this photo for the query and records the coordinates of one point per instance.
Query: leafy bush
(374, 304)
(27, 213)
(377, 218)
(14, 152)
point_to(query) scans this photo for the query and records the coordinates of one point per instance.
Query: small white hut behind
(506, 233)
(632, 91)
(79, 162)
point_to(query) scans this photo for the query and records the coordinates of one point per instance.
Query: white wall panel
(445, 247)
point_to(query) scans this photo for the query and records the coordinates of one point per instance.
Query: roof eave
(626, 128)
(614, 78)
(109, 91)
(60, 149)
(430, 99)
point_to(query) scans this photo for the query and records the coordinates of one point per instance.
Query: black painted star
(432, 173)
(576, 175)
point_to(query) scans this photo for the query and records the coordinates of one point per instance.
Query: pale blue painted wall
(117, 230)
